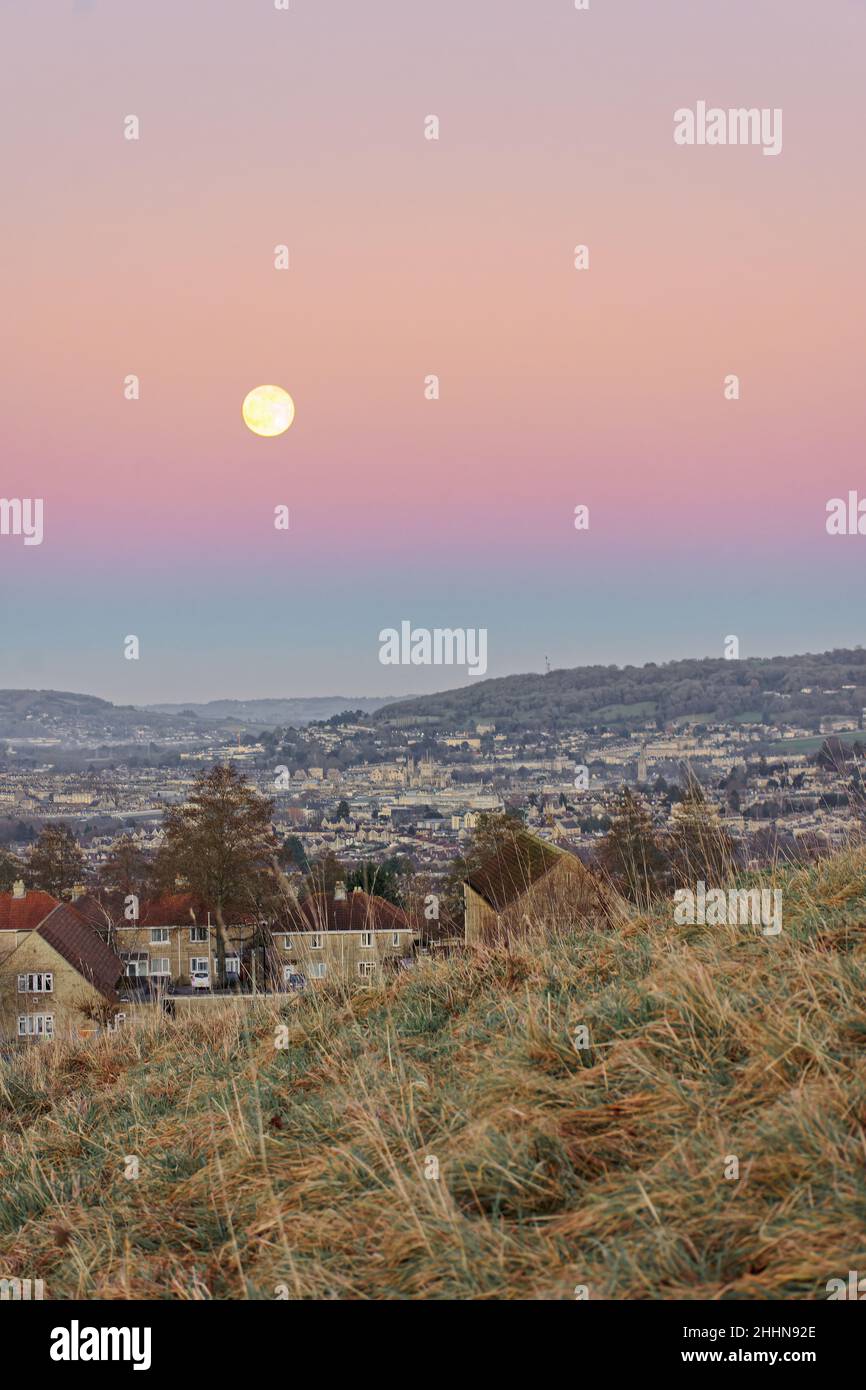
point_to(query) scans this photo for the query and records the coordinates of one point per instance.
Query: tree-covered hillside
(794, 689)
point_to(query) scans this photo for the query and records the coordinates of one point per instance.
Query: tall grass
(308, 1169)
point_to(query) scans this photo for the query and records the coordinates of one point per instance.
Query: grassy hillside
(304, 1167)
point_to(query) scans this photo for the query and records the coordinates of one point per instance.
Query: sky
(409, 257)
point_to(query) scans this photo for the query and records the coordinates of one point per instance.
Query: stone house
(20, 913)
(354, 936)
(176, 935)
(60, 981)
(526, 883)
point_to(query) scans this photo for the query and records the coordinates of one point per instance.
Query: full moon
(268, 410)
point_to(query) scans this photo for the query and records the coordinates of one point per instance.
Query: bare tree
(222, 843)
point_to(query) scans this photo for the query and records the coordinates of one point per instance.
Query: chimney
(339, 892)
(18, 889)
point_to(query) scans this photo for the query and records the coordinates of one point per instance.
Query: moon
(268, 410)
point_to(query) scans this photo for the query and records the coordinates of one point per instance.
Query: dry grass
(301, 1169)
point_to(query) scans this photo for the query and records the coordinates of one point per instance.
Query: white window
(159, 936)
(36, 1025)
(195, 934)
(395, 938)
(287, 943)
(316, 941)
(317, 970)
(233, 965)
(365, 968)
(366, 938)
(136, 962)
(42, 983)
(161, 965)
(199, 965)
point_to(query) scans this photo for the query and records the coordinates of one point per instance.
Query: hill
(754, 689)
(77, 719)
(31, 714)
(270, 714)
(440, 1136)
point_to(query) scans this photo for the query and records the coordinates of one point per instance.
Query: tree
(56, 862)
(127, 868)
(701, 850)
(325, 873)
(343, 811)
(291, 854)
(631, 854)
(11, 869)
(385, 880)
(222, 843)
(492, 831)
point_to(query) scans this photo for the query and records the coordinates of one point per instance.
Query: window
(199, 965)
(395, 938)
(366, 938)
(317, 970)
(36, 984)
(36, 1025)
(233, 965)
(197, 934)
(316, 941)
(159, 936)
(365, 969)
(136, 962)
(161, 966)
(287, 943)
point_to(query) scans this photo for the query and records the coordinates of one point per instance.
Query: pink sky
(411, 257)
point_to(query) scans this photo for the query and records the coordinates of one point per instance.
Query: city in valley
(388, 799)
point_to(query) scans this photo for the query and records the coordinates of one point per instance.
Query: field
(441, 1136)
(812, 745)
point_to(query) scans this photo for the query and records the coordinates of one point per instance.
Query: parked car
(296, 981)
(200, 979)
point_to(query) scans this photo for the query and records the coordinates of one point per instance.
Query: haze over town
(776, 744)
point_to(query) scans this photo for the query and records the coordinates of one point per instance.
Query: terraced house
(20, 912)
(60, 979)
(175, 936)
(342, 936)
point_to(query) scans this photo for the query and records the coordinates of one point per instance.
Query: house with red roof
(342, 936)
(21, 911)
(175, 936)
(60, 980)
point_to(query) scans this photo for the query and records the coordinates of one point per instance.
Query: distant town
(371, 787)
